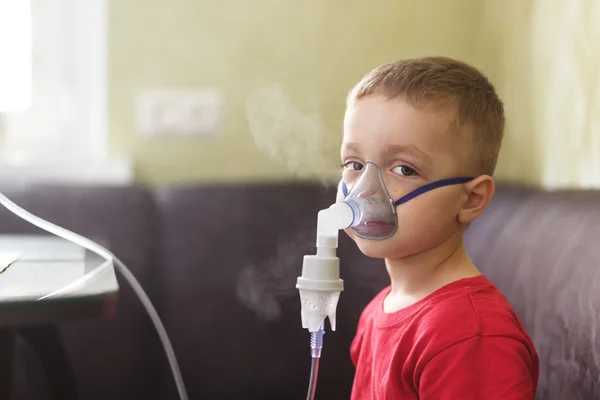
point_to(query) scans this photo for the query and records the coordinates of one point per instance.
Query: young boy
(441, 330)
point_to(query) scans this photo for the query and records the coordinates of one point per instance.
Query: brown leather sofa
(220, 263)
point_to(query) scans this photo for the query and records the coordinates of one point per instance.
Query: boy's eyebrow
(392, 149)
(411, 149)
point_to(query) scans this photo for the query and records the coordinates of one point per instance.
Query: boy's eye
(404, 170)
(353, 166)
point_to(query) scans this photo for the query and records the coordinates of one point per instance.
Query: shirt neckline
(383, 319)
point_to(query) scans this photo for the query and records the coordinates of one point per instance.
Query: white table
(51, 281)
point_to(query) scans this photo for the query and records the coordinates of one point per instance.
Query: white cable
(108, 256)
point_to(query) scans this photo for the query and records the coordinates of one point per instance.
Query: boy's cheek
(350, 233)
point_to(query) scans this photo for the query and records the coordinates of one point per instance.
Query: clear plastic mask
(374, 209)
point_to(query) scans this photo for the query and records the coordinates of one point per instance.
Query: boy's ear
(479, 192)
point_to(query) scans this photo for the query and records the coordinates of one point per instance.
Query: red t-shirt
(464, 341)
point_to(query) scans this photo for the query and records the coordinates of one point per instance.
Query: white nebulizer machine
(370, 212)
(111, 259)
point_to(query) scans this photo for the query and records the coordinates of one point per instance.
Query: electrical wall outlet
(179, 112)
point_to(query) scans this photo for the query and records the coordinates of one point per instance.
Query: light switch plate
(179, 112)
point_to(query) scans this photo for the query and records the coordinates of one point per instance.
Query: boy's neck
(423, 273)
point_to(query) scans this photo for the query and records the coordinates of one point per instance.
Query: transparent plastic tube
(316, 347)
(312, 383)
(120, 266)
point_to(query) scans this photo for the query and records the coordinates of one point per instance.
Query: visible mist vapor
(260, 287)
(294, 139)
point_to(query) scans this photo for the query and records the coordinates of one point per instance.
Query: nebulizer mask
(366, 207)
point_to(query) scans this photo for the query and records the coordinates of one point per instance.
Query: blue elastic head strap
(421, 190)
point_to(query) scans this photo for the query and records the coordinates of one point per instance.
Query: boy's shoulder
(471, 307)
(463, 309)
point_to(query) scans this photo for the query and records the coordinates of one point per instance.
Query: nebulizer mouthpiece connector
(329, 222)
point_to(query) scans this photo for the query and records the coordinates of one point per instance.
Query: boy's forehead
(376, 121)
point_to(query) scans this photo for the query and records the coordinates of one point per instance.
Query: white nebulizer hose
(320, 284)
(127, 274)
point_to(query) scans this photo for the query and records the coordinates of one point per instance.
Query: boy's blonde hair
(440, 83)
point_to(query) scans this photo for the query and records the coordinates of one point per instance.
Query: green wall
(543, 57)
(288, 64)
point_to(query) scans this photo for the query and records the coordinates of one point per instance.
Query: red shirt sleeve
(490, 368)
